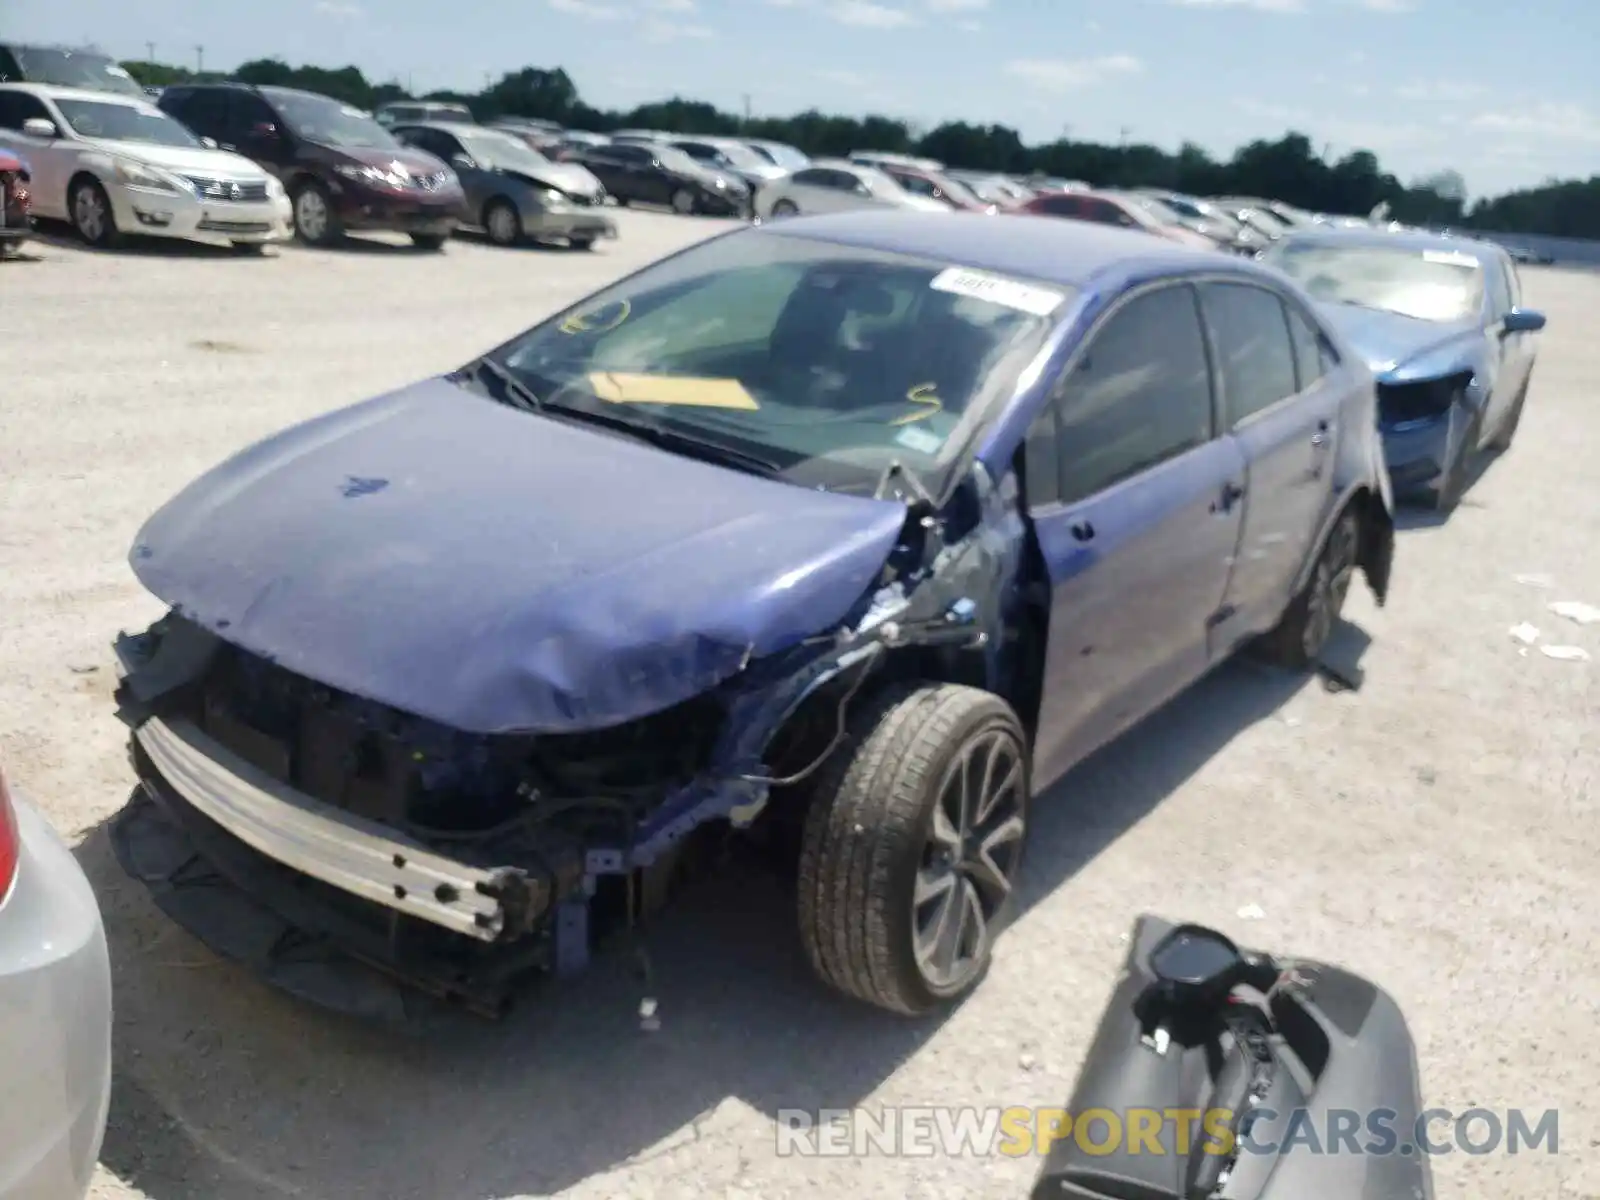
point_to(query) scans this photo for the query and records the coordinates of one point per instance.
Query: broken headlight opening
(1400, 403)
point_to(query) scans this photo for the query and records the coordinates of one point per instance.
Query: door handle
(1231, 494)
(1082, 530)
(1319, 439)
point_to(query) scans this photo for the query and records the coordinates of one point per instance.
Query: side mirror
(1523, 320)
(209, 143)
(40, 128)
(462, 162)
(1196, 967)
(263, 131)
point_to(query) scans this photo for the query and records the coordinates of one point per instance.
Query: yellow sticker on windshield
(927, 404)
(687, 390)
(603, 319)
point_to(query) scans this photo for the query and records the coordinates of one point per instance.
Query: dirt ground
(1436, 829)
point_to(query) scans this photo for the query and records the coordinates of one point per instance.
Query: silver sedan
(55, 1013)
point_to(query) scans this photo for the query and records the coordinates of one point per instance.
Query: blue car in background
(853, 531)
(1440, 322)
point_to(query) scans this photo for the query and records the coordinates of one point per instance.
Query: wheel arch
(1375, 538)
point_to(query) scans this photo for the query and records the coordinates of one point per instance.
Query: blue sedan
(1441, 323)
(861, 529)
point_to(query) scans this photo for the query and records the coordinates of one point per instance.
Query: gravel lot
(1436, 829)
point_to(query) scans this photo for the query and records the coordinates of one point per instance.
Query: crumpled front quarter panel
(498, 571)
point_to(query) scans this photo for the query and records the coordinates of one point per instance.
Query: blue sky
(1506, 94)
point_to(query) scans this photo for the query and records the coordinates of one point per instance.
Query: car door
(1278, 407)
(1126, 483)
(1507, 350)
(1521, 348)
(51, 160)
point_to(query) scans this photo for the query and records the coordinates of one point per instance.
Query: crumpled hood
(564, 177)
(1388, 341)
(498, 571)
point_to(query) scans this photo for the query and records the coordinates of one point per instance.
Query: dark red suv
(345, 172)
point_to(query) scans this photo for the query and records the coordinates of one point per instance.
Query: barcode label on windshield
(997, 289)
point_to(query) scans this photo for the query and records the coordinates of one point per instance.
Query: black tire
(1454, 484)
(87, 192)
(785, 208)
(869, 831)
(327, 233)
(431, 242)
(502, 222)
(684, 202)
(1301, 634)
(1508, 429)
(583, 243)
(250, 249)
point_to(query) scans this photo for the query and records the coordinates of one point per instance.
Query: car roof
(468, 128)
(1061, 252)
(1418, 240)
(55, 91)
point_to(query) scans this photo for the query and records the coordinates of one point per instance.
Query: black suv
(343, 170)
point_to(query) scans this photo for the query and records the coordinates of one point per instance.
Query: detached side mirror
(1523, 320)
(40, 128)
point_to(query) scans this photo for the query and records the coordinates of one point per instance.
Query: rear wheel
(785, 208)
(1302, 633)
(684, 203)
(429, 241)
(250, 249)
(912, 845)
(583, 243)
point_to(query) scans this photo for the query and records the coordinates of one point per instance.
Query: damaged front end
(316, 835)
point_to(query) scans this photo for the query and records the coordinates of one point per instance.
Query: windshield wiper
(510, 390)
(670, 439)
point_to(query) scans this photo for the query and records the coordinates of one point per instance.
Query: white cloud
(969, 26)
(338, 10)
(1270, 6)
(1061, 75)
(958, 5)
(674, 31)
(1547, 122)
(866, 14)
(1439, 91)
(1388, 6)
(590, 10)
(672, 6)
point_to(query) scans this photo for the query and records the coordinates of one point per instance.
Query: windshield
(676, 160)
(740, 155)
(503, 151)
(780, 155)
(1430, 285)
(830, 362)
(71, 68)
(319, 119)
(1162, 213)
(124, 123)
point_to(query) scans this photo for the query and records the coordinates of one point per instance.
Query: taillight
(10, 846)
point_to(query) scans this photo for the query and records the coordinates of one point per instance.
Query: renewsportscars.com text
(1017, 1132)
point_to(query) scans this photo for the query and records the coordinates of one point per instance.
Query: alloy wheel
(502, 225)
(1335, 570)
(968, 866)
(89, 213)
(682, 202)
(311, 215)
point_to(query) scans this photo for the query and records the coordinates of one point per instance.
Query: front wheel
(315, 221)
(912, 845)
(502, 222)
(1459, 471)
(785, 208)
(684, 203)
(429, 241)
(1302, 633)
(1508, 430)
(92, 218)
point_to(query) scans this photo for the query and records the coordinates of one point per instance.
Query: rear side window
(1062, 206)
(1313, 358)
(1139, 395)
(1255, 358)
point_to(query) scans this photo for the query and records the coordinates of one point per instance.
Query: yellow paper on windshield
(689, 390)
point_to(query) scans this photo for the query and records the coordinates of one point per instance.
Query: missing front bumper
(338, 848)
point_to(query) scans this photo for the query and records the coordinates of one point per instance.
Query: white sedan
(113, 165)
(835, 185)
